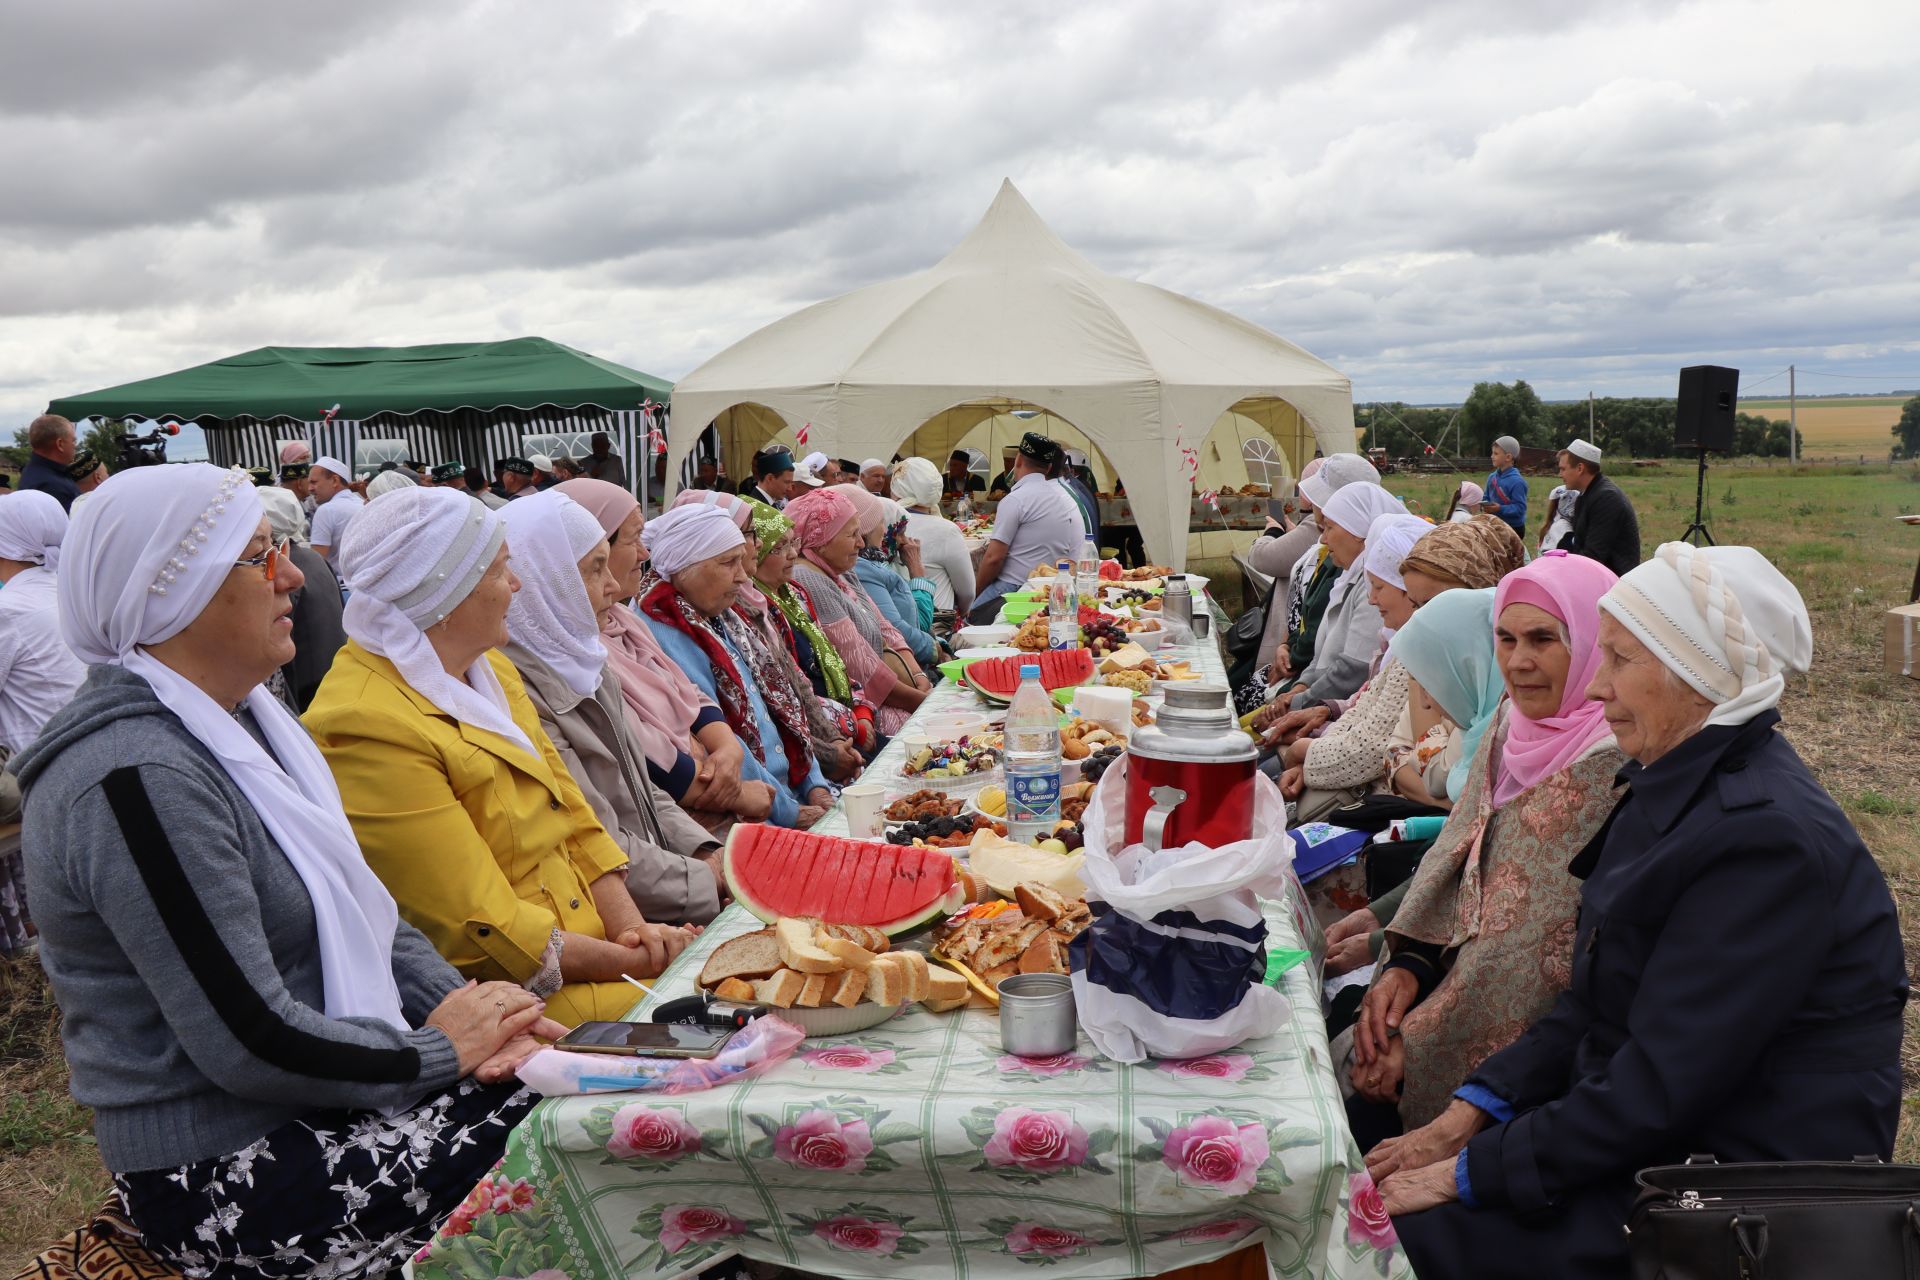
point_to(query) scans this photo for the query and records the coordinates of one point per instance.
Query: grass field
(1841, 427)
(1830, 530)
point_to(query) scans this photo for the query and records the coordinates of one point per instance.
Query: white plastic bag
(1174, 970)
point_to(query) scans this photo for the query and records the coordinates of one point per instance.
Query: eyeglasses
(267, 561)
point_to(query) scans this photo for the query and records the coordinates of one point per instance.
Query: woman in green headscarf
(1447, 649)
(778, 614)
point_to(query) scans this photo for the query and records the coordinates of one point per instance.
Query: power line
(1866, 377)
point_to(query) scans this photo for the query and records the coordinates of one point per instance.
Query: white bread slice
(888, 981)
(874, 940)
(946, 987)
(919, 974)
(751, 956)
(851, 954)
(734, 989)
(814, 993)
(795, 936)
(780, 989)
(852, 985)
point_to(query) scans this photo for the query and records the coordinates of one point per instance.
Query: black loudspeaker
(1704, 419)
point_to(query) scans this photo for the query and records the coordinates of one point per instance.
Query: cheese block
(1004, 864)
(1128, 657)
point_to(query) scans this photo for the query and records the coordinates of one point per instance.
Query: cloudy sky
(1424, 194)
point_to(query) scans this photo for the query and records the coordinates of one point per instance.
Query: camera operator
(52, 440)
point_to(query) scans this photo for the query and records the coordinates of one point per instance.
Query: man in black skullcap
(87, 471)
(262, 477)
(1036, 523)
(450, 475)
(516, 477)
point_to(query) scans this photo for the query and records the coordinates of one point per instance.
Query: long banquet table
(919, 1149)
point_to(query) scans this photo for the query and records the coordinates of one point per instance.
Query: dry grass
(1843, 427)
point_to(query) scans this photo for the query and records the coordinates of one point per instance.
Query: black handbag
(1776, 1221)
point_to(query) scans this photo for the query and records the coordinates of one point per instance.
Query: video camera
(149, 450)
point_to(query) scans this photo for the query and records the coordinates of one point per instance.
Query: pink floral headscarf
(817, 516)
(1569, 588)
(736, 507)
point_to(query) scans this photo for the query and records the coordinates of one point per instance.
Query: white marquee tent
(1014, 319)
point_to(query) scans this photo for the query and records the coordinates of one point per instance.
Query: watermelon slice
(998, 678)
(775, 872)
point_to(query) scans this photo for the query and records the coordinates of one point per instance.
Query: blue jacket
(1509, 488)
(771, 765)
(895, 599)
(1738, 982)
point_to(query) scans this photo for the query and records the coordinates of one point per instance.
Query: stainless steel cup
(1036, 1015)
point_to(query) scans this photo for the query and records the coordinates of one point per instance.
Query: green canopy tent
(474, 401)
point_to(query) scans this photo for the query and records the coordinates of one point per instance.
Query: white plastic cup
(866, 810)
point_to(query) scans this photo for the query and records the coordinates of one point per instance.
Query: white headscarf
(410, 557)
(918, 483)
(551, 615)
(688, 535)
(32, 525)
(1336, 472)
(387, 482)
(284, 514)
(1721, 618)
(148, 555)
(1355, 507)
(1389, 538)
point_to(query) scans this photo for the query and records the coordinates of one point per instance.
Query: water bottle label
(1033, 796)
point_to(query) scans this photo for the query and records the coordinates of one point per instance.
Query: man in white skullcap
(543, 477)
(873, 475)
(38, 673)
(334, 506)
(1605, 527)
(1738, 978)
(700, 555)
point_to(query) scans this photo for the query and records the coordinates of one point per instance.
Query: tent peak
(1011, 231)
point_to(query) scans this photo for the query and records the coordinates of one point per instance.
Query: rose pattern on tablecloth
(1052, 1065)
(1043, 1243)
(854, 1057)
(1222, 1151)
(1027, 1145)
(500, 1229)
(1231, 1067)
(651, 1133)
(1221, 1229)
(838, 1135)
(690, 1234)
(862, 1228)
(1367, 1220)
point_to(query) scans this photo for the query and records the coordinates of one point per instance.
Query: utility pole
(1793, 419)
(1590, 417)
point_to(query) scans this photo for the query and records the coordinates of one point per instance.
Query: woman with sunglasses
(285, 1078)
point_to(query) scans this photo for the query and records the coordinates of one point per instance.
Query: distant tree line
(1907, 430)
(1637, 426)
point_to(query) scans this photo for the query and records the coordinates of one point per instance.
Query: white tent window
(558, 444)
(1264, 463)
(1014, 322)
(369, 454)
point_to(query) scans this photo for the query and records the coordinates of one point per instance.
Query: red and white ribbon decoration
(1189, 460)
(1211, 498)
(328, 416)
(804, 433)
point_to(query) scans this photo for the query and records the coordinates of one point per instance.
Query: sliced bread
(851, 986)
(888, 981)
(780, 989)
(919, 974)
(751, 956)
(851, 954)
(814, 993)
(797, 950)
(947, 987)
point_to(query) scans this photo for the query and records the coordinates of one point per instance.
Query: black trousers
(1584, 1239)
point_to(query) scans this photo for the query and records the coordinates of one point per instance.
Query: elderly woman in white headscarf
(459, 799)
(1737, 980)
(38, 673)
(554, 641)
(703, 562)
(240, 993)
(917, 485)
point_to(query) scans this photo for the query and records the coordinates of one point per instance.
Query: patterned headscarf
(769, 527)
(1476, 553)
(766, 527)
(818, 516)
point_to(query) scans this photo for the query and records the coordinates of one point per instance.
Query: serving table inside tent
(1235, 511)
(919, 1149)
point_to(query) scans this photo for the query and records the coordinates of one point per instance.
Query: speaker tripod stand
(1699, 525)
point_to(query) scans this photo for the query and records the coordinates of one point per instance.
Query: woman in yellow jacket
(456, 795)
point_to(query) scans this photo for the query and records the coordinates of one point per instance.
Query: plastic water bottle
(1032, 756)
(1087, 572)
(1063, 609)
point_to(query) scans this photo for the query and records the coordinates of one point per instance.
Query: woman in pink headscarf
(1481, 944)
(878, 659)
(691, 753)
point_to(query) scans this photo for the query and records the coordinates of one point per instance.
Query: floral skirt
(13, 905)
(333, 1195)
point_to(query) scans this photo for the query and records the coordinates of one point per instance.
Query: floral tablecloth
(919, 1149)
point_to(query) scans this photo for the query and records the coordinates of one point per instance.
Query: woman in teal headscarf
(1447, 649)
(839, 723)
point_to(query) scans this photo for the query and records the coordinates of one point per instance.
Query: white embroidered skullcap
(688, 535)
(32, 525)
(871, 463)
(1337, 471)
(1721, 618)
(551, 615)
(1585, 451)
(334, 465)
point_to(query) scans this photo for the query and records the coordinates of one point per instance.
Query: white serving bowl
(985, 634)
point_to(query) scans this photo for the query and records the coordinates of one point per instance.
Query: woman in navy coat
(1738, 975)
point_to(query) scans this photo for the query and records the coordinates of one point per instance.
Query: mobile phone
(647, 1039)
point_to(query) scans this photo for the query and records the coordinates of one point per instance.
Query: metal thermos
(1190, 774)
(1177, 601)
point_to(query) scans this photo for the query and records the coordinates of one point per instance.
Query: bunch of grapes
(1096, 765)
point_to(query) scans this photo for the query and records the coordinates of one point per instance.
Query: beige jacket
(605, 758)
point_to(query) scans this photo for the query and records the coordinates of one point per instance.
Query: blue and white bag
(1174, 969)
